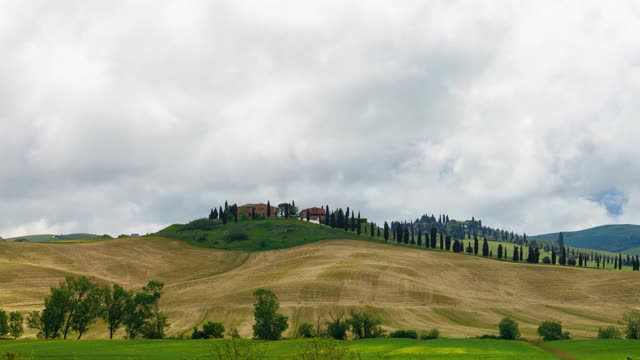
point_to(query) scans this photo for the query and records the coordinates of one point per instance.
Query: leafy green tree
(157, 323)
(143, 316)
(364, 325)
(4, 323)
(269, 323)
(552, 330)
(337, 328)
(632, 320)
(115, 307)
(72, 306)
(16, 324)
(509, 329)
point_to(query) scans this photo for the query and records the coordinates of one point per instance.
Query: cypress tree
(386, 231)
(485, 248)
(419, 237)
(379, 232)
(620, 262)
(580, 260)
(500, 251)
(553, 256)
(563, 256)
(373, 230)
(308, 215)
(269, 209)
(326, 215)
(433, 242)
(515, 254)
(359, 225)
(448, 243)
(521, 253)
(475, 245)
(211, 215)
(406, 235)
(441, 241)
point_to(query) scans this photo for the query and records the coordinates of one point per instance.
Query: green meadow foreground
(201, 349)
(374, 349)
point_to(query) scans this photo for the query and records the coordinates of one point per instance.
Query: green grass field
(598, 349)
(253, 235)
(373, 349)
(286, 349)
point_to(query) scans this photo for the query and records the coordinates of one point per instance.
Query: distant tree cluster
(77, 302)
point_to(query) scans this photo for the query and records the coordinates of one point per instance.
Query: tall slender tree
(475, 245)
(386, 231)
(485, 248)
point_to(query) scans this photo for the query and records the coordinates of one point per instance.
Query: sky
(120, 117)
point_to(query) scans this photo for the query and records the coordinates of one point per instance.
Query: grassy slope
(614, 238)
(598, 349)
(255, 235)
(199, 349)
(410, 289)
(51, 238)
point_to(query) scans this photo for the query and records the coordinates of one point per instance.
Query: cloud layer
(125, 117)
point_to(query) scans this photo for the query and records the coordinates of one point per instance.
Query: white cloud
(124, 117)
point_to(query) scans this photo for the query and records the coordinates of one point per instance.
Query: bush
(632, 319)
(8, 356)
(408, 334)
(571, 262)
(552, 330)
(305, 330)
(431, 335)
(323, 349)
(238, 349)
(610, 332)
(236, 236)
(488, 336)
(546, 260)
(509, 329)
(213, 330)
(337, 329)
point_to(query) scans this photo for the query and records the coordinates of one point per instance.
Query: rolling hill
(613, 238)
(409, 289)
(52, 237)
(254, 235)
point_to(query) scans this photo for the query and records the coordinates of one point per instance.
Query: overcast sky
(119, 117)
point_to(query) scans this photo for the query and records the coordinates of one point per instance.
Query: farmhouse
(250, 210)
(315, 214)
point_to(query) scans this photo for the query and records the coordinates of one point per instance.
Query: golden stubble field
(408, 288)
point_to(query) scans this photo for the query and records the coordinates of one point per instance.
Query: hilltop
(406, 287)
(52, 237)
(612, 238)
(253, 235)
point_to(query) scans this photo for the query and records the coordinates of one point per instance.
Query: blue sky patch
(613, 200)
